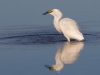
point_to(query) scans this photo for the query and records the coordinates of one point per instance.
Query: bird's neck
(56, 23)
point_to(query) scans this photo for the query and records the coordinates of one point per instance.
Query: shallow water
(28, 52)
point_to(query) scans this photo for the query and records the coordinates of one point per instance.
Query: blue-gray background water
(28, 40)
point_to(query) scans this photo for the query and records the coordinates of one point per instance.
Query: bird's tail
(79, 37)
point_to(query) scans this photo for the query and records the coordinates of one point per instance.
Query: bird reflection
(66, 55)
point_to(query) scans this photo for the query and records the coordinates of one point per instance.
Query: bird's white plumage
(66, 26)
(70, 29)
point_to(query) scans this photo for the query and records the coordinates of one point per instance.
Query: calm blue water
(29, 42)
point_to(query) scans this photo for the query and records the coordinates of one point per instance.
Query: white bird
(67, 26)
(67, 55)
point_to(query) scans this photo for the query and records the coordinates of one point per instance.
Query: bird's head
(54, 12)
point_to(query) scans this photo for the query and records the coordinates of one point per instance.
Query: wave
(39, 35)
(29, 39)
(43, 38)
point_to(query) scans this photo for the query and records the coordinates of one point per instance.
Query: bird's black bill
(49, 11)
(45, 13)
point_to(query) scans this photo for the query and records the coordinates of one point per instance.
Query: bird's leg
(68, 39)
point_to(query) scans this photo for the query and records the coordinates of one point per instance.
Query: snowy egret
(67, 55)
(67, 26)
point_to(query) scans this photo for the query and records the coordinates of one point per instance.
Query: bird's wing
(69, 27)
